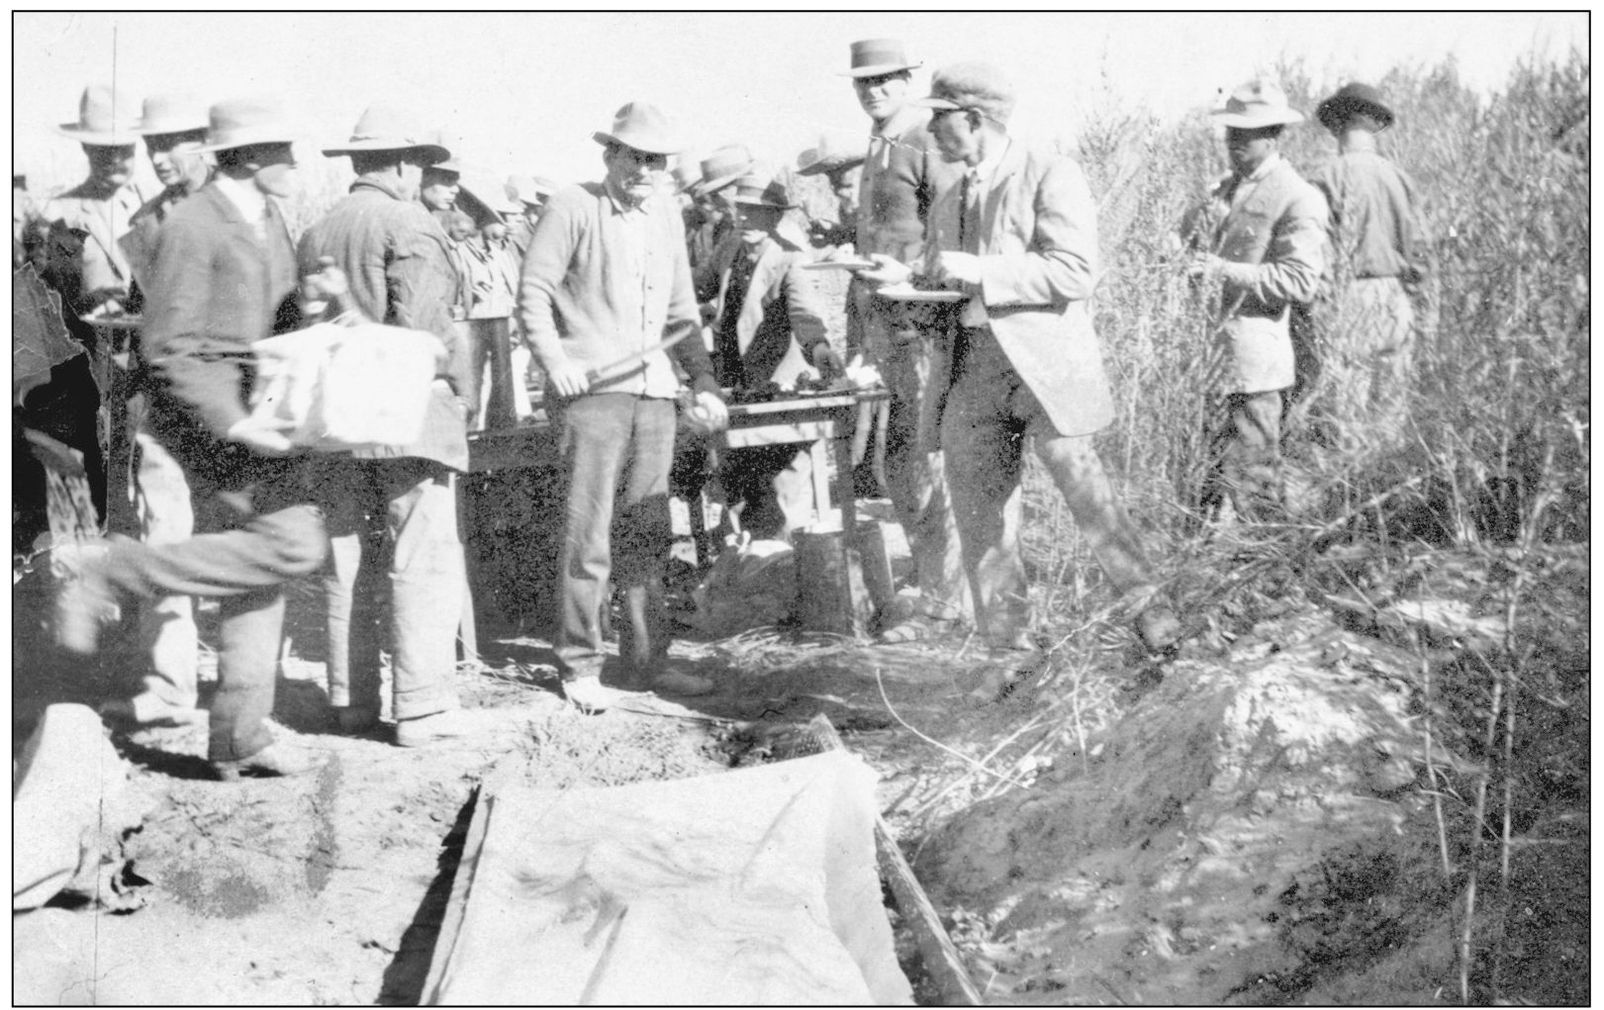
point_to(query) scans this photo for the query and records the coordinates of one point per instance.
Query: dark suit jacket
(216, 289)
(781, 303)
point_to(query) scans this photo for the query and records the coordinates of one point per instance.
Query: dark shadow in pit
(405, 976)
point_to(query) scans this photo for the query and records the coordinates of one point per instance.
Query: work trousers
(1364, 387)
(915, 361)
(990, 413)
(617, 449)
(167, 635)
(774, 484)
(245, 564)
(392, 526)
(1242, 462)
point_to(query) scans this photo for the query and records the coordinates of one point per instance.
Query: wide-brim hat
(1353, 97)
(451, 145)
(241, 122)
(163, 114)
(529, 189)
(642, 126)
(481, 192)
(723, 167)
(761, 190)
(383, 128)
(1257, 104)
(835, 151)
(876, 57)
(102, 122)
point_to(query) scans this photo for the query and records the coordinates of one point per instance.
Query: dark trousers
(617, 449)
(1243, 465)
(245, 563)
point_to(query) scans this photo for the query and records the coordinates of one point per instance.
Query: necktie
(969, 233)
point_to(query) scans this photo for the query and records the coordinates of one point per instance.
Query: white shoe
(589, 694)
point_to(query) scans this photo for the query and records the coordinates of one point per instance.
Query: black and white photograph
(807, 508)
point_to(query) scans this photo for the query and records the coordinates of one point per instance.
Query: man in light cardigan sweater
(606, 276)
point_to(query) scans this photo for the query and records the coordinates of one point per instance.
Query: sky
(526, 91)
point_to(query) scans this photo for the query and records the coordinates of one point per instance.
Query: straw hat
(1256, 104)
(101, 123)
(1353, 97)
(643, 127)
(762, 190)
(171, 114)
(240, 122)
(835, 152)
(383, 128)
(723, 167)
(877, 57)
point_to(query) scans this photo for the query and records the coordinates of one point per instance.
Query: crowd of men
(699, 277)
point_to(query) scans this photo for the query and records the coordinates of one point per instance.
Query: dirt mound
(1215, 840)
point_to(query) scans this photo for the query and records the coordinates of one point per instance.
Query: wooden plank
(457, 904)
(935, 946)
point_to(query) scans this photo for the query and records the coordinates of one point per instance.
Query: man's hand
(828, 362)
(259, 438)
(955, 269)
(886, 271)
(709, 411)
(567, 378)
(1202, 266)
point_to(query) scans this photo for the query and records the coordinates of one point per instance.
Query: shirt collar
(1266, 166)
(903, 120)
(250, 201)
(988, 166)
(617, 200)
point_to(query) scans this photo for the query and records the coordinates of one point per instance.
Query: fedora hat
(451, 145)
(529, 189)
(835, 152)
(875, 57)
(1353, 97)
(724, 166)
(642, 126)
(101, 122)
(762, 190)
(384, 128)
(171, 114)
(1259, 102)
(240, 122)
(481, 192)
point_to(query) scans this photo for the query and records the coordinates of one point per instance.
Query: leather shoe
(452, 724)
(671, 681)
(278, 758)
(589, 694)
(353, 719)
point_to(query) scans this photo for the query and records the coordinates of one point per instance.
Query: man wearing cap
(902, 174)
(223, 278)
(605, 278)
(1018, 236)
(174, 128)
(1380, 258)
(840, 160)
(1260, 242)
(768, 329)
(395, 258)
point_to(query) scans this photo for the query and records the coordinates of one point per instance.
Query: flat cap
(972, 85)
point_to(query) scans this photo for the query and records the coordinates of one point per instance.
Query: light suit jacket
(781, 320)
(1037, 243)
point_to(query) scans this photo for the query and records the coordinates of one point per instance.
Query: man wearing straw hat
(769, 328)
(394, 255)
(1380, 258)
(1018, 236)
(224, 277)
(839, 158)
(174, 128)
(605, 278)
(1261, 242)
(87, 223)
(902, 174)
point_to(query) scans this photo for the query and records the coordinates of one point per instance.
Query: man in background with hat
(902, 174)
(839, 159)
(1260, 243)
(224, 277)
(768, 330)
(394, 256)
(531, 193)
(710, 227)
(174, 129)
(605, 278)
(1018, 235)
(1379, 252)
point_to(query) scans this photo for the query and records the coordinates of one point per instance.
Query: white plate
(905, 293)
